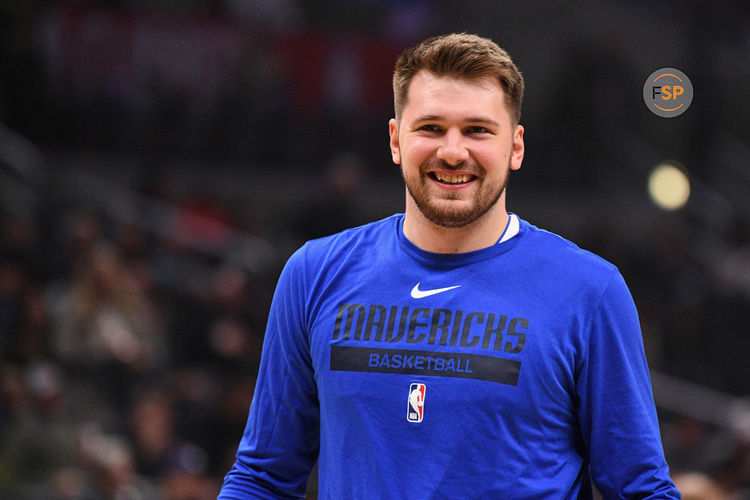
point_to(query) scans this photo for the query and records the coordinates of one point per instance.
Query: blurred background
(160, 160)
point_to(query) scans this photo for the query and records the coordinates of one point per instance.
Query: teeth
(452, 179)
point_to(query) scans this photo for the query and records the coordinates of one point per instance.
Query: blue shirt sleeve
(280, 444)
(617, 413)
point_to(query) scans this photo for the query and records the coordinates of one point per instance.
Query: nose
(453, 150)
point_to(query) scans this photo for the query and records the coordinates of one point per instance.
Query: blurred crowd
(130, 339)
(128, 352)
(116, 381)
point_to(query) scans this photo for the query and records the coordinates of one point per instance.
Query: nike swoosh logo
(416, 293)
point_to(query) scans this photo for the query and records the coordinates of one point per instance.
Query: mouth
(451, 179)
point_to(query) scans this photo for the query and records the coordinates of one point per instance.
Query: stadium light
(669, 186)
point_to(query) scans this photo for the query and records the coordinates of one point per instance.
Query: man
(454, 351)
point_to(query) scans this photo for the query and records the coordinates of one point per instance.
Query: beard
(442, 211)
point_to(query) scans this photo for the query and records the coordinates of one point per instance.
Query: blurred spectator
(36, 440)
(152, 425)
(105, 317)
(109, 459)
(698, 486)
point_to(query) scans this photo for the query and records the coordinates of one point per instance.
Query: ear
(516, 155)
(395, 150)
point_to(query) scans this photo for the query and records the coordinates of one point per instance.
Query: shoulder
(357, 242)
(353, 239)
(555, 255)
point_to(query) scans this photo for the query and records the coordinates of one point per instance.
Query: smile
(451, 179)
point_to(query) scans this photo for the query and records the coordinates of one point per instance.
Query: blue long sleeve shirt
(516, 372)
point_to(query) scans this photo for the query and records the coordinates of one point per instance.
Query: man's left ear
(516, 155)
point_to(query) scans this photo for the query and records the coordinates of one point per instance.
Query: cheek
(493, 156)
(418, 148)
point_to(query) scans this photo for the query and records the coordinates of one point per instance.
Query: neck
(482, 233)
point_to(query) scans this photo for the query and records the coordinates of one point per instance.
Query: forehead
(438, 95)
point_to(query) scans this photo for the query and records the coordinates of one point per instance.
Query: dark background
(160, 160)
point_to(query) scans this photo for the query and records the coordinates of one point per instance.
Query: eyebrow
(473, 119)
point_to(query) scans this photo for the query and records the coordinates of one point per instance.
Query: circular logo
(668, 92)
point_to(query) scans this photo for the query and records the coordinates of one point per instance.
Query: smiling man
(456, 142)
(454, 350)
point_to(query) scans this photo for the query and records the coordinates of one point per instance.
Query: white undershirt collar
(511, 229)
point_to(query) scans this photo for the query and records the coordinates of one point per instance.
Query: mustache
(464, 166)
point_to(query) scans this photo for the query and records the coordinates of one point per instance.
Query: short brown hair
(459, 55)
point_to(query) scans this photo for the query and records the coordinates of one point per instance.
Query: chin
(452, 218)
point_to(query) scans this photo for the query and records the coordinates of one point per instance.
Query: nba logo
(415, 406)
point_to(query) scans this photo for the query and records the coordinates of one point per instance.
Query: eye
(429, 127)
(476, 129)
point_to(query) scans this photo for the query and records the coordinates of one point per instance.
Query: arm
(617, 414)
(280, 443)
